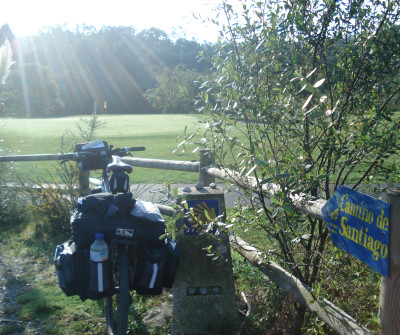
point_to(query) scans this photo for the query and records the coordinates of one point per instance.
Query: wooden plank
(30, 158)
(139, 162)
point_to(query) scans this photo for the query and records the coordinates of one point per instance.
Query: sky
(27, 17)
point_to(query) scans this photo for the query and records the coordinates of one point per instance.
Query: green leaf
(261, 162)
(287, 208)
(307, 102)
(275, 201)
(316, 114)
(303, 88)
(266, 181)
(282, 175)
(175, 192)
(323, 99)
(311, 73)
(319, 83)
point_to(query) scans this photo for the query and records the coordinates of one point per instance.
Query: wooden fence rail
(140, 162)
(333, 316)
(30, 158)
(162, 164)
(303, 203)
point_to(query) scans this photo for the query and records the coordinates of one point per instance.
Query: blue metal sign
(203, 211)
(359, 224)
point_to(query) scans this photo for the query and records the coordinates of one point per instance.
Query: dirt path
(12, 284)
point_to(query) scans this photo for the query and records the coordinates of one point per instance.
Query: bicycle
(115, 180)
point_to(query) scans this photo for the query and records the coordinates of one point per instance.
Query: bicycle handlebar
(102, 153)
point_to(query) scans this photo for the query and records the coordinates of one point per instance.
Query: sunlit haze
(27, 17)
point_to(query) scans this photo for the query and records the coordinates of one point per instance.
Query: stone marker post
(204, 295)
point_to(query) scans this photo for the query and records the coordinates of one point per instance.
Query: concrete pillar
(204, 300)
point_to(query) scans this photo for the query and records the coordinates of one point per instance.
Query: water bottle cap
(99, 236)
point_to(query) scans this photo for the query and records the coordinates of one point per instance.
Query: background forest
(61, 72)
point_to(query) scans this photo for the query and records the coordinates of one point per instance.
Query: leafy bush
(11, 203)
(302, 100)
(52, 203)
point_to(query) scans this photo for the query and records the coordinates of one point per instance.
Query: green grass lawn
(158, 133)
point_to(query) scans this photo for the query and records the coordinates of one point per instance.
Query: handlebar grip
(134, 149)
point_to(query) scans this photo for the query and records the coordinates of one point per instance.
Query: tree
(176, 90)
(32, 91)
(6, 59)
(62, 72)
(303, 99)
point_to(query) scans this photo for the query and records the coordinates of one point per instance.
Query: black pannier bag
(106, 204)
(95, 204)
(73, 272)
(114, 228)
(157, 259)
(156, 267)
(110, 215)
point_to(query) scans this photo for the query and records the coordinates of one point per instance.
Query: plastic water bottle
(99, 264)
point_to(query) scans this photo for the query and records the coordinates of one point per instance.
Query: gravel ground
(12, 284)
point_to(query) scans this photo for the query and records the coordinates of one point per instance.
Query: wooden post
(206, 159)
(389, 307)
(84, 183)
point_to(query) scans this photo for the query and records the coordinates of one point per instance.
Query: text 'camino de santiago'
(361, 236)
(359, 224)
